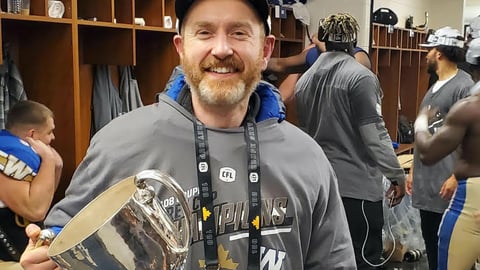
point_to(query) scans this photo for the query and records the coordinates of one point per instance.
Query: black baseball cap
(260, 6)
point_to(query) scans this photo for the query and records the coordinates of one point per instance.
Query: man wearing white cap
(459, 234)
(433, 185)
(474, 29)
(473, 58)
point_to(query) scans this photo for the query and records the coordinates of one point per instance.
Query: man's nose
(222, 47)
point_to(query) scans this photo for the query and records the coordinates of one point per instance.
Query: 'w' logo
(271, 259)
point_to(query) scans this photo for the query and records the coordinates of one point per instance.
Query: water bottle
(413, 255)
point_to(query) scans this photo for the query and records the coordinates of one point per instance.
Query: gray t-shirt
(303, 220)
(339, 105)
(428, 180)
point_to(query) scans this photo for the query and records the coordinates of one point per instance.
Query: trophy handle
(177, 239)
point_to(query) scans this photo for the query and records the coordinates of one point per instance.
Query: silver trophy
(125, 227)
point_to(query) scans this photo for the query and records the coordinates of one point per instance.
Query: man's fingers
(447, 195)
(32, 231)
(38, 259)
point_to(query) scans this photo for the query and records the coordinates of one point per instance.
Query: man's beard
(222, 92)
(432, 67)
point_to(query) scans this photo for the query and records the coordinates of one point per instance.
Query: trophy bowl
(125, 227)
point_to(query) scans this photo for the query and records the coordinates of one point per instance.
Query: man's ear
(268, 47)
(30, 132)
(439, 54)
(178, 42)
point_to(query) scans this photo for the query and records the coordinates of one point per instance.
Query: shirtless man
(459, 234)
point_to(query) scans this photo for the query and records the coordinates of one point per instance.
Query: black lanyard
(206, 195)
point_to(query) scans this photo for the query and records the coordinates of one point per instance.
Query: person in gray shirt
(339, 105)
(298, 221)
(432, 186)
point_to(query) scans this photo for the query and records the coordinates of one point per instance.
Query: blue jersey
(17, 158)
(312, 55)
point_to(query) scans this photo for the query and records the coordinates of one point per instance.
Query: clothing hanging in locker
(11, 85)
(108, 102)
